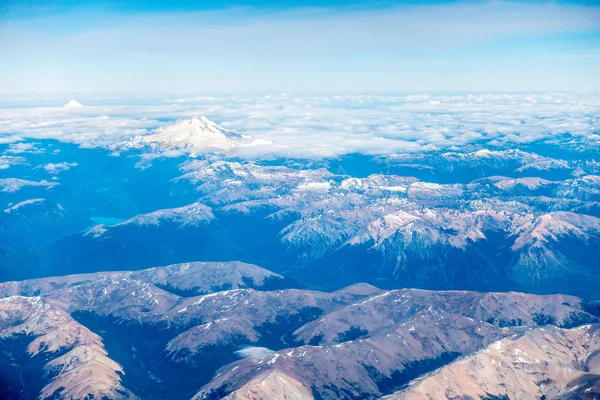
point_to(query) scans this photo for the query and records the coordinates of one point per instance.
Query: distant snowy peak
(73, 104)
(195, 133)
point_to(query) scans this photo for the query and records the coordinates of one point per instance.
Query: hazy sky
(237, 45)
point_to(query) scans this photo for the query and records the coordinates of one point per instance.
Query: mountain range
(64, 337)
(449, 273)
(494, 233)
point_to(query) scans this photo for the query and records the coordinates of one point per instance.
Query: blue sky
(139, 46)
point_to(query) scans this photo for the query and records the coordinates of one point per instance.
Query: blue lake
(107, 220)
(103, 221)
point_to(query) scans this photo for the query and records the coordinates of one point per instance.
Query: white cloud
(18, 148)
(8, 161)
(57, 168)
(254, 352)
(9, 139)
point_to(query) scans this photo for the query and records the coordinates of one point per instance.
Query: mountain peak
(73, 104)
(196, 133)
(199, 124)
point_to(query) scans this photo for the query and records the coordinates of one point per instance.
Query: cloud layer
(328, 126)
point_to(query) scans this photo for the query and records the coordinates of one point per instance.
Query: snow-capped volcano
(193, 133)
(73, 104)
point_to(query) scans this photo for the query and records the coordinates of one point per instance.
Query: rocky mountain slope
(546, 362)
(71, 358)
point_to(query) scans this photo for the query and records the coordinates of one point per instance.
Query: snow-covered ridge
(23, 203)
(334, 210)
(380, 206)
